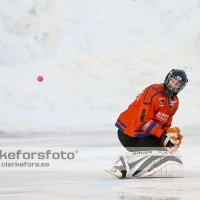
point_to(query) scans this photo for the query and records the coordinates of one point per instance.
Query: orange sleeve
(146, 112)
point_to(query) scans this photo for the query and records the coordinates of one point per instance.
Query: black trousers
(140, 144)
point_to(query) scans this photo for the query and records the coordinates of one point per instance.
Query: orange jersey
(150, 114)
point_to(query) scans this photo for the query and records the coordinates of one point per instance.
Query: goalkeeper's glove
(171, 139)
(176, 130)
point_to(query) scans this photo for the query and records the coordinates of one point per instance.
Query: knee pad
(153, 164)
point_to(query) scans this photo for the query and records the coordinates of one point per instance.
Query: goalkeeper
(146, 124)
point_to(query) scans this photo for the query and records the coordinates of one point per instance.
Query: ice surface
(85, 178)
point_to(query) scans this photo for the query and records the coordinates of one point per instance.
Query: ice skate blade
(120, 175)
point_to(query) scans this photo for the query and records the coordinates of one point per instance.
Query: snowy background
(95, 57)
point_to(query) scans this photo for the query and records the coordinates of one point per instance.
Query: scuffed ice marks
(150, 193)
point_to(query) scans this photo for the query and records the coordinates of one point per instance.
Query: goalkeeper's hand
(171, 139)
(176, 130)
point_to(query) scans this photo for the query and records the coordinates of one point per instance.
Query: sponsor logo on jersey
(173, 102)
(161, 99)
(146, 125)
(170, 103)
(162, 116)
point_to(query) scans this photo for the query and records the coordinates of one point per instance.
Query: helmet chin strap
(168, 92)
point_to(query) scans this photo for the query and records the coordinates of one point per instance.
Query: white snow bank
(94, 55)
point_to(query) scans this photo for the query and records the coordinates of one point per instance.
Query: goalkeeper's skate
(119, 169)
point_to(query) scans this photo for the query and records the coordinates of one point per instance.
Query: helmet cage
(174, 83)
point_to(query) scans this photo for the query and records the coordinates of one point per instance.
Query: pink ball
(40, 78)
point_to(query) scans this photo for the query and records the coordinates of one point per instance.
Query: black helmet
(180, 80)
